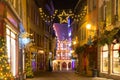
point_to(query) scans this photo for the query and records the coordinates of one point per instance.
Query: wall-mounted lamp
(89, 42)
(74, 42)
(88, 26)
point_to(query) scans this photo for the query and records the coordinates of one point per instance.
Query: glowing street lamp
(88, 26)
(74, 42)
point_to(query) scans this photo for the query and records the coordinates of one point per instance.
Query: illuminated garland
(63, 15)
(47, 18)
(28, 66)
(108, 36)
(5, 73)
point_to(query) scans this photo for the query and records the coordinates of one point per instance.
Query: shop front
(110, 61)
(9, 30)
(41, 60)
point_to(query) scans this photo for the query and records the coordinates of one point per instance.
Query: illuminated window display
(116, 59)
(105, 59)
(11, 49)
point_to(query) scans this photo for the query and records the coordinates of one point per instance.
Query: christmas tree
(5, 73)
(28, 67)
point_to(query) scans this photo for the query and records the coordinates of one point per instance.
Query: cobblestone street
(63, 76)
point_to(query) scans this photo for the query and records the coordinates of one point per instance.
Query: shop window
(116, 59)
(64, 46)
(11, 49)
(104, 58)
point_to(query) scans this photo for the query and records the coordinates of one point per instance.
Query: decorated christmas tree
(5, 73)
(28, 67)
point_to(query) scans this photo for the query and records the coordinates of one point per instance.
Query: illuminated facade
(63, 53)
(10, 16)
(110, 53)
(103, 15)
(43, 38)
(63, 56)
(110, 61)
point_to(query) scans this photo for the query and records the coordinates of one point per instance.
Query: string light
(5, 73)
(63, 15)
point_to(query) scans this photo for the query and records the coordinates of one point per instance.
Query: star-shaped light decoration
(63, 17)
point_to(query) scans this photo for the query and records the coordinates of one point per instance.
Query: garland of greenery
(108, 36)
(79, 49)
(28, 66)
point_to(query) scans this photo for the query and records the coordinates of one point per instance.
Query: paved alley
(63, 76)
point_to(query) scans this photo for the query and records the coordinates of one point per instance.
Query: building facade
(63, 60)
(43, 36)
(109, 52)
(103, 16)
(10, 19)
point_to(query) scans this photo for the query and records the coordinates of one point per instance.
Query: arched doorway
(64, 66)
(69, 65)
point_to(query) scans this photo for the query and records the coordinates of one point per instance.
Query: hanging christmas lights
(63, 15)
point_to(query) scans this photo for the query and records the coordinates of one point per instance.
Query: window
(14, 3)
(83, 33)
(116, 59)
(104, 12)
(11, 49)
(104, 58)
(118, 12)
(38, 20)
(116, 7)
(94, 3)
(61, 45)
(40, 40)
(58, 55)
(89, 5)
(37, 40)
(64, 46)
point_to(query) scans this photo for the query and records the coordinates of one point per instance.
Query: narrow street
(58, 36)
(63, 76)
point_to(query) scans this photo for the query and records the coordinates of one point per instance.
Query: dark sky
(61, 31)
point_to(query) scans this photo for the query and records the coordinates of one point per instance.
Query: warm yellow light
(72, 51)
(88, 26)
(40, 51)
(64, 14)
(74, 42)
